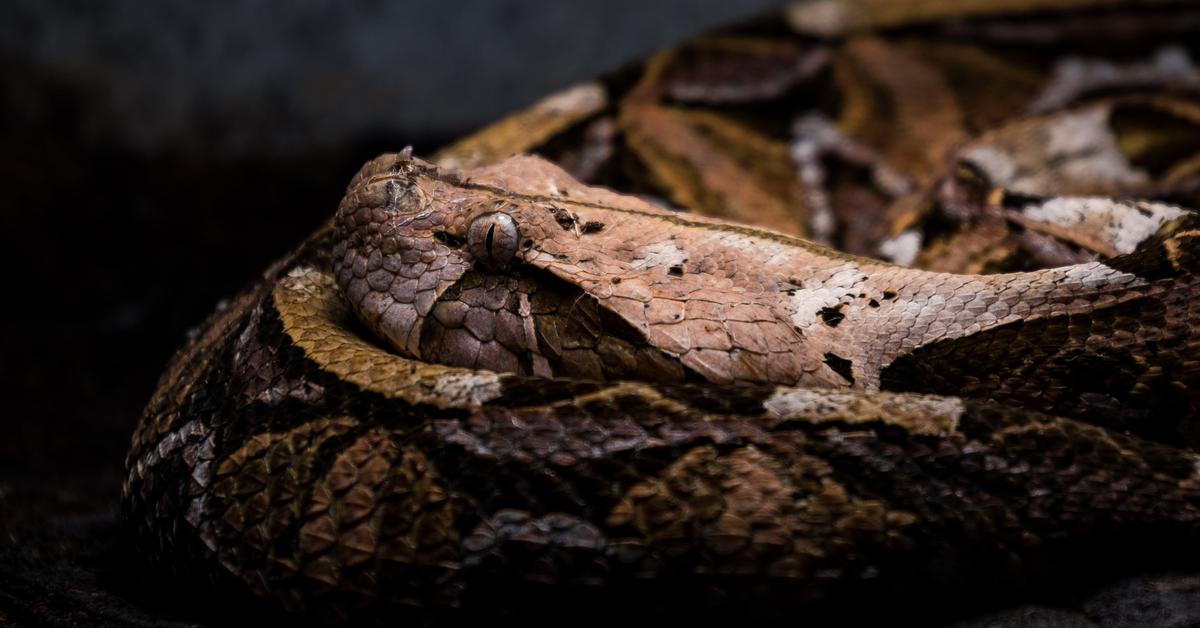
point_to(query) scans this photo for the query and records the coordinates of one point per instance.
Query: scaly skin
(485, 388)
(605, 286)
(288, 454)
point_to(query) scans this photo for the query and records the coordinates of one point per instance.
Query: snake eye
(493, 239)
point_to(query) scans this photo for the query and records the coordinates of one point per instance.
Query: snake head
(412, 246)
(385, 256)
(466, 272)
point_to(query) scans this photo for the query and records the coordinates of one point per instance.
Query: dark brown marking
(564, 218)
(832, 315)
(841, 366)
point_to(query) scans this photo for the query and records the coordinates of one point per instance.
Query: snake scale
(497, 389)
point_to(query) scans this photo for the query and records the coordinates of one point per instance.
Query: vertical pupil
(487, 242)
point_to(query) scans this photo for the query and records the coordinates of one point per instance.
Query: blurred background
(154, 156)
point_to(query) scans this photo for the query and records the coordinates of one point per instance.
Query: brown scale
(344, 511)
(478, 323)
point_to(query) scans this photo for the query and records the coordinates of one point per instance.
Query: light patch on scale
(997, 165)
(1092, 275)
(665, 253)
(1086, 138)
(814, 294)
(902, 249)
(919, 414)
(1081, 143)
(583, 97)
(827, 18)
(1125, 225)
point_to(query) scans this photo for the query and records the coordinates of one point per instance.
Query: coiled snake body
(500, 388)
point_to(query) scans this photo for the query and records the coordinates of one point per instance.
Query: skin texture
(605, 286)
(487, 392)
(291, 456)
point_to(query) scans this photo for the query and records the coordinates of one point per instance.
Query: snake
(499, 390)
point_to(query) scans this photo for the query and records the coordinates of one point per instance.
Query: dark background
(154, 156)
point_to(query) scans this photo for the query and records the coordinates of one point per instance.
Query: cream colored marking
(585, 96)
(1095, 274)
(1081, 140)
(902, 249)
(1074, 76)
(826, 18)
(815, 294)
(1088, 133)
(1172, 247)
(308, 300)
(920, 414)
(1122, 223)
(665, 253)
(996, 164)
